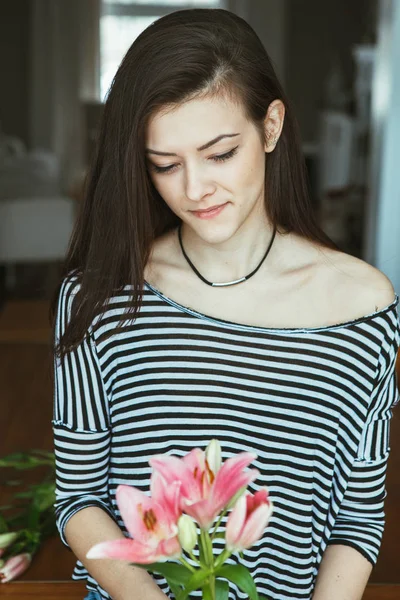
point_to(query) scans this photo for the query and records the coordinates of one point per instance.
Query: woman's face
(230, 171)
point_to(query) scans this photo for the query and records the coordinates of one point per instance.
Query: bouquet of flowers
(27, 515)
(195, 489)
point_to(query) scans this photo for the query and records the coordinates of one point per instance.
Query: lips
(210, 213)
(206, 210)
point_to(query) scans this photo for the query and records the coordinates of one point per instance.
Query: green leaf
(31, 506)
(44, 496)
(26, 494)
(45, 453)
(176, 573)
(176, 589)
(48, 524)
(241, 576)
(23, 460)
(16, 522)
(3, 524)
(33, 517)
(195, 582)
(221, 590)
(219, 535)
(15, 456)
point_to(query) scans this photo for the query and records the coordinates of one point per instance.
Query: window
(122, 21)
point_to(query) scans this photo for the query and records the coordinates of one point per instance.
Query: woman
(200, 299)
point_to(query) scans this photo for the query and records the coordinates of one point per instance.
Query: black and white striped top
(314, 404)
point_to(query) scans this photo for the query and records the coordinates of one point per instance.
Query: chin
(213, 233)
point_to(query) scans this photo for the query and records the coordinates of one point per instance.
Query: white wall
(382, 247)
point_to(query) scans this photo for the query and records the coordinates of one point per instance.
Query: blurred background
(336, 60)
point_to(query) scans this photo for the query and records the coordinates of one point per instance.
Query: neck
(231, 259)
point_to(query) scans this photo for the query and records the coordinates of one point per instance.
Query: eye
(218, 158)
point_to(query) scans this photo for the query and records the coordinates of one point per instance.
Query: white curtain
(382, 239)
(64, 72)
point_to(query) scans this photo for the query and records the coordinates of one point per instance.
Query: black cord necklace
(228, 282)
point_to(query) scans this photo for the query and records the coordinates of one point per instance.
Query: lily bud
(15, 566)
(6, 539)
(248, 520)
(213, 455)
(187, 533)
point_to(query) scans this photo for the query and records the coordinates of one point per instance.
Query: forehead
(194, 122)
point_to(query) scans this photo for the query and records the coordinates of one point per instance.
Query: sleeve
(361, 518)
(81, 430)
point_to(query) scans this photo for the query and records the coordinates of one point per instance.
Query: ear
(273, 124)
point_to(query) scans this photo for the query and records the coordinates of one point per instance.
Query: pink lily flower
(204, 493)
(151, 521)
(15, 566)
(248, 520)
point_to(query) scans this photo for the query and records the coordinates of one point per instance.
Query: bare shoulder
(362, 286)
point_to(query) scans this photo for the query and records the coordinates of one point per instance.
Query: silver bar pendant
(229, 282)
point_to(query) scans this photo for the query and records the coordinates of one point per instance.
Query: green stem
(192, 556)
(186, 564)
(209, 558)
(218, 522)
(211, 580)
(222, 558)
(203, 546)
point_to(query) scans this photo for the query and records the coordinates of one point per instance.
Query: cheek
(250, 175)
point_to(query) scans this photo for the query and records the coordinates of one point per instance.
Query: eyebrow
(203, 147)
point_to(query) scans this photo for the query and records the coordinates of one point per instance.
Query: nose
(198, 184)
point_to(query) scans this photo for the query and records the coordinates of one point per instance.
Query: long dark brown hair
(186, 54)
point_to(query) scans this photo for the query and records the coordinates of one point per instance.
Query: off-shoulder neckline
(225, 322)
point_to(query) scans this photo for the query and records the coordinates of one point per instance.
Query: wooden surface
(51, 590)
(25, 321)
(26, 401)
(382, 592)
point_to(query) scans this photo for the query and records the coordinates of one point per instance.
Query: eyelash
(218, 158)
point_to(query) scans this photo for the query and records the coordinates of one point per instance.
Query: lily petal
(231, 477)
(255, 525)
(173, 469)
(166, 495)
(15, 566)
(236, 521)
(128, 499)
(126, 549)
(146, 521)
(169, 549)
